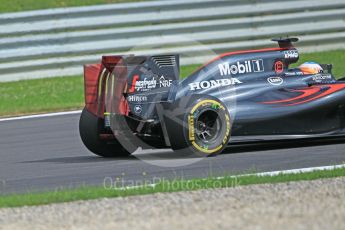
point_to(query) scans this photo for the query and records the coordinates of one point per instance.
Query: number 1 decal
(258, 65)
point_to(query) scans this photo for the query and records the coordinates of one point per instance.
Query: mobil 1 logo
(250, 66)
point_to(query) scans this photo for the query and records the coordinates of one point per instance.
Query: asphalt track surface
(46, 153)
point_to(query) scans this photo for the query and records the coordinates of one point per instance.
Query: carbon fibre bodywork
(266, 98)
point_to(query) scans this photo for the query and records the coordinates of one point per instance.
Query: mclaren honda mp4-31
(136, 102)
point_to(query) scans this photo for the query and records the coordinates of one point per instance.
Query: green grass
(23, 5)
(47, 95)
(32, 96)
(88, 193)
(66, 93)
(337, 58)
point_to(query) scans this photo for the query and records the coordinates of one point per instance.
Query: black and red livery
(255, 95)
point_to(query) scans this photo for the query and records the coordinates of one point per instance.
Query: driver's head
(310, 68)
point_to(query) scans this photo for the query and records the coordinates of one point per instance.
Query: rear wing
(118, 76)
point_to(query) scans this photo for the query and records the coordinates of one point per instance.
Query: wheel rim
(208, 125)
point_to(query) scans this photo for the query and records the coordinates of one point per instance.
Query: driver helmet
(311, 68)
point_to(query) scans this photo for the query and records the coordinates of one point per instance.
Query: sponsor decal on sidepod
(279, 67)
(320, 77)
(275, 80)
(241, 67)
(214, 83)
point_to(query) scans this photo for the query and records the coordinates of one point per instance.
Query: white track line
(40, 116)
(273, 173)
(294, 171)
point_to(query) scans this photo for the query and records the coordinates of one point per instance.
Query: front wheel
(90, 127)
(198, 124)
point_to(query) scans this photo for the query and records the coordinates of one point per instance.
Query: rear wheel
(198, 124)
(90, 127)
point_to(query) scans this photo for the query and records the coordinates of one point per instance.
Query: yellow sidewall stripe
(204, 102)
(208, 151)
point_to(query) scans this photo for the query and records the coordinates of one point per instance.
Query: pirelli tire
(90, 126)
(198, 125)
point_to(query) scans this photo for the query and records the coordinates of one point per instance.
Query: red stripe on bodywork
(309, 94)
(332, 89)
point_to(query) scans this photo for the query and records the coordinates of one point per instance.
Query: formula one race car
(140, 101)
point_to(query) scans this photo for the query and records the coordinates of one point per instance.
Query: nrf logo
(241, 67)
